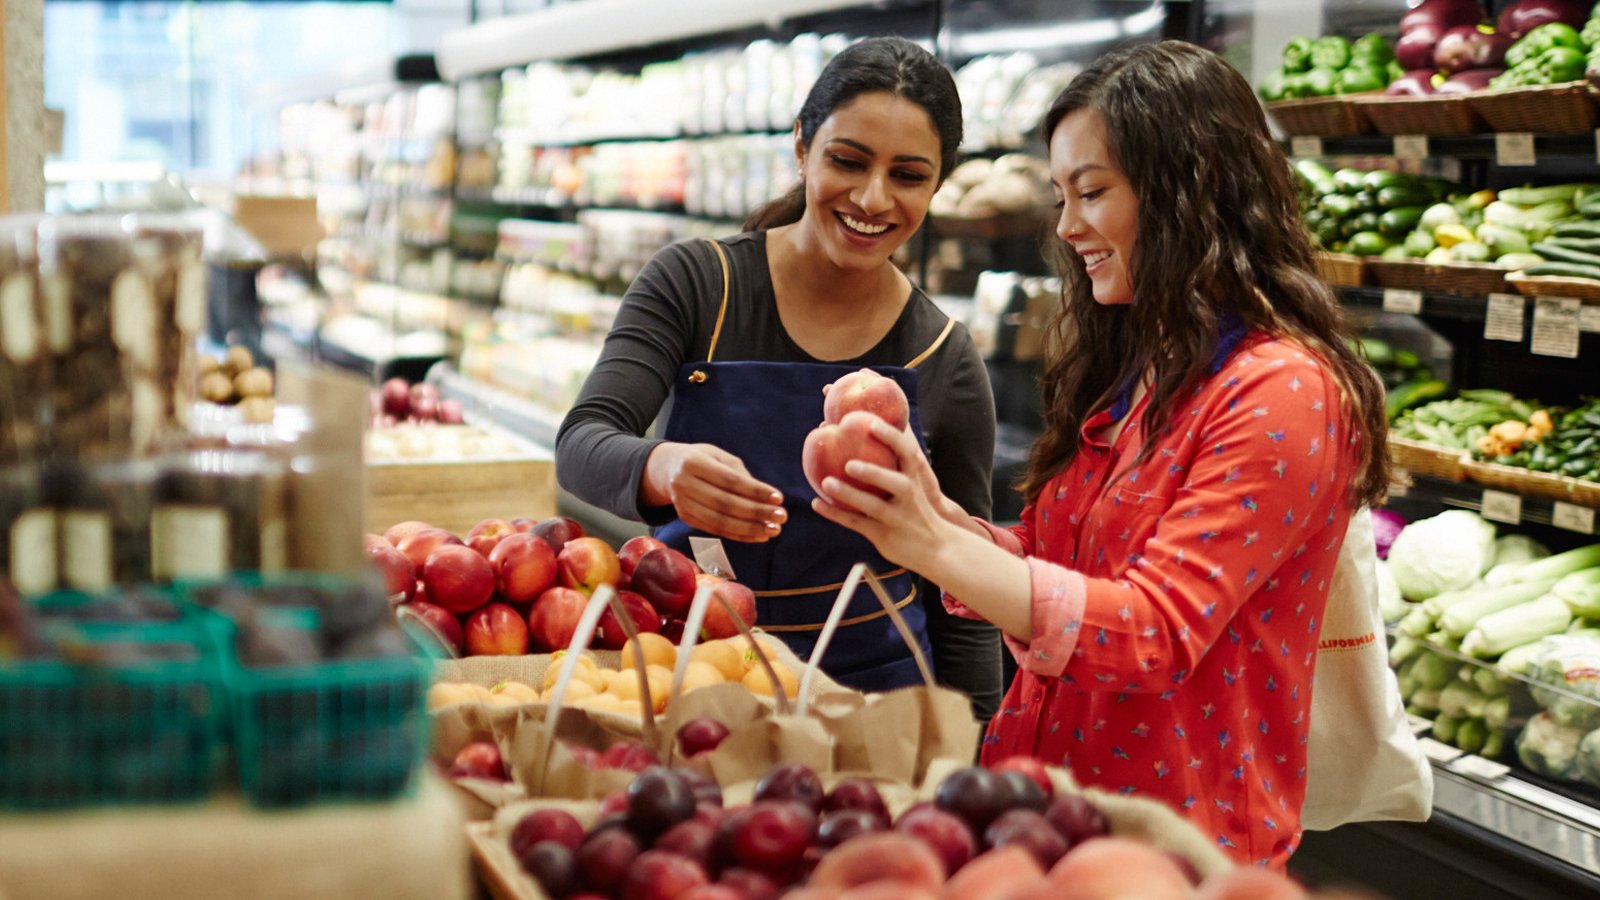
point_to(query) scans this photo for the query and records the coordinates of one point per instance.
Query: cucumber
(1565, 270)
(1556, 253)
(1397, 222)
(1582, 229)
(1396, 196)
(1378, 179)
(1348, 181)
(1581, 244)
(1367, 243)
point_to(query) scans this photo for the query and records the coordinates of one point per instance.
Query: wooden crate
(456, 494)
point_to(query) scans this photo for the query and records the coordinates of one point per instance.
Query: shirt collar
(1232, 330)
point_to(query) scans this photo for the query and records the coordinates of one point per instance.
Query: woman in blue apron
(737, 339)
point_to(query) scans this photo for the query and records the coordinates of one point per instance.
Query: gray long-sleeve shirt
(667, 318)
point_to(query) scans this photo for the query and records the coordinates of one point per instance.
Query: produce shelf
(1468, 495)
(1569, 147)
(1451, 306)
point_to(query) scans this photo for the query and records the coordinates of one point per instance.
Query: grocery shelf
(1470, 495)
(1561, 831)
(1451, 306)
(550, 199)
(1565, 147)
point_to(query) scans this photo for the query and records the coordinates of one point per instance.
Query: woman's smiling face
(870, 173)
(1099, 216)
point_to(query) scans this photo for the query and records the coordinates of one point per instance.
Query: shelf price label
(1503, 321)
(1555, 326)
(1399, 482)
(1396, 300)
(1500, 506)
(1573, 517)
(1410, 146)
(1478, 767)
(1514, 148)
(1589, 318)
(1438, 752)
(1308, 145)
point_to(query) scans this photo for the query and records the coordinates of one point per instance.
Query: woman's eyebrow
(904, 157)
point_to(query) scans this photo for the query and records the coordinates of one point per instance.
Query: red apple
(701, 735)
(479, 759)
(828, 447)
(585, 563)
(458, 578)
(441, 620)
(524, 567)
(1032, 768)
(396, 396)
(557, 530)
(644, 617)
(554, 618)
(486, 534)
(496, 630)
(718, 623)
(633, 550)
(666, 578)
(419, 545)
(401, 530)
(399, 576)
(867, 391)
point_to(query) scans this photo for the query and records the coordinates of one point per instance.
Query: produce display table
(411, 848)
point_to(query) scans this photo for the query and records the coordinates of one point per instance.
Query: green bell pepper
(1297, 55)
(1272, 86)
(1320, 82)
(1546, 37)
(1393, 70)
(1331, 52)
(1359, 79)
(1372, 48)
(1561, 64)
(1296, 85)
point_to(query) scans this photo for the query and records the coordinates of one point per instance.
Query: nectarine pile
(668, 835)
(518, 586)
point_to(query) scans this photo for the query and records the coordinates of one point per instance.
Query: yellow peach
(658, 651)
(722, 655)
(757, 682)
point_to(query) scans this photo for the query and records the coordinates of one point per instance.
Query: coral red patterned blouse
(1176, 606)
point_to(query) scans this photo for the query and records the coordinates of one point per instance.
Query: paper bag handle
(858, 573)
(692, 623)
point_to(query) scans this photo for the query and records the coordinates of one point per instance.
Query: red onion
(1415, 83)
(1466, 47)
(1386, 525)
(1524, 16)
(1442, 14)
(1415, 48)
(1468, 81)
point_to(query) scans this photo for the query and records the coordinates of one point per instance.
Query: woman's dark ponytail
(785, 210)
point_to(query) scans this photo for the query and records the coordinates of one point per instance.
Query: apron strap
(854, 620)
(949, 325)
(795, 592)
(722, 311)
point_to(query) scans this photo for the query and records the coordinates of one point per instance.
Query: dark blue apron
(761, 413)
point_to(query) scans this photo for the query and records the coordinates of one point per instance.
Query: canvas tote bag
(1364, 763)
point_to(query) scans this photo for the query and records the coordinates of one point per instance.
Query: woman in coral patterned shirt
(1207, 432)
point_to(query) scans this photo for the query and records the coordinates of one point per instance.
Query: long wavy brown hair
(1219, 239)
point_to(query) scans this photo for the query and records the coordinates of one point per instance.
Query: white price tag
(1436, 751)
(1555, 326)
(1480, 768)
(1500, 506)
(710, 556)
(1410, 146)
(1419, 725)
(1305, 145)
(1503, 321)
(1514, 148)
(1402, 301)
(1589, 318)
(1399, 482)
(1573, 517)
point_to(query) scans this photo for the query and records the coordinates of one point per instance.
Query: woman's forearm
(996, 585)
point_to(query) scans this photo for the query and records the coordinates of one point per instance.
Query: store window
(179, 84)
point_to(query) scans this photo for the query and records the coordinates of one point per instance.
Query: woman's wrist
(655, 482)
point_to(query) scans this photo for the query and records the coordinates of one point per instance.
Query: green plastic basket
(145, 731)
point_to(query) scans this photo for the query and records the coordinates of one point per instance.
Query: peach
(881, 856)
(457, 578)
(554, 618)
(524, 567)
(657, 650)
(401, 530)
(638, 610)
(666, 578)
(633, 550)
(585, 563)
(867, 391)
(721, 655)
(515, 692)
(1107, 868)
(419, 545)
(995, 875)
(889, 890)
(449, 693)
(557, 531)
(399, 576)
(1250, 883)
(486, 534)
(719, 622)
(700, 674)
(828, 447)
(496, 630)
(440, 620)
(756, 681)
(479, 759)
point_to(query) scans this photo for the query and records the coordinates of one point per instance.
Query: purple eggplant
(1415, 83)
(1415, 48)
(1468, 81)
(1524, 16)
(1443, 15)
(1470, 47)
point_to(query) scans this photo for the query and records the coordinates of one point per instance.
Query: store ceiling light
(1066, 34)
(574, 30)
